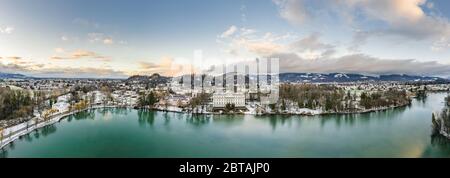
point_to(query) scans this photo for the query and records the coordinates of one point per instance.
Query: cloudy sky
(99, 38)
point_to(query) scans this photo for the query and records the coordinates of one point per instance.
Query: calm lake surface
(401, 132)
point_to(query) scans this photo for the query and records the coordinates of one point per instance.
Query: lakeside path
(14, 132)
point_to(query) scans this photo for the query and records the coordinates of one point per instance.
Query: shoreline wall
(14, 132)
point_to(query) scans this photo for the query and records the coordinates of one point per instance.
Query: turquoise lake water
(400, 132)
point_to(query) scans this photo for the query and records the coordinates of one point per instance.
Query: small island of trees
(441, 120)
(333, 99)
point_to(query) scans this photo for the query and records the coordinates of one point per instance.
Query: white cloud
(294, 11)
(59, 50)
(40, 70)
(101, 38)
(6, 30)
(247, 31)
(108, 40)
(122, 42)
(80, 54)
(392, 11)
(229, 32)
(406, 18)
(399, 18)
(311, 54)
(260, 47)
(359, 39)
(311, 42)
(65, 38)
(359, 63)
(166, 66)
(250, 43)
(95, 37)
(441, 44)
(247, 41)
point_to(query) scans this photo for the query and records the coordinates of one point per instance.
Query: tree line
(448, 100)
(312, 96)
(334, 99)
(383, 99)
(15, 104)
(441, 121)
(147, 99)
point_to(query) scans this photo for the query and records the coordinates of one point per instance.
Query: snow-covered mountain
(342, 77)
(13, 76)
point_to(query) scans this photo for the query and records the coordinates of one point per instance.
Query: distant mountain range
(287, 77)
(13, 76)
(342, 77)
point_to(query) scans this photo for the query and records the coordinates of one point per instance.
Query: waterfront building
(61, 107)
(64, 98)
(220, 100)
(270, 98)
(176, 100)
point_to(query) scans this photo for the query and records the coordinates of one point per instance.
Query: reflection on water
(399, 132)
(146, 117)
(440, 147)
(47, 130)
(228, 120)
(197, 120)
(36, 134)
(28, 138)
(3, 153)
(440, 141)
(422, 98)
(88, 114)
(277, 120)
(167, 117)
(338, 120)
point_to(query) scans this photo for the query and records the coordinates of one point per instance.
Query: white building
(174, 100)
(64, 98)
(61, 107)
(97, 96)
(220, 100)
(271, 98)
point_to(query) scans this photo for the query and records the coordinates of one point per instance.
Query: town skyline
(95, 39)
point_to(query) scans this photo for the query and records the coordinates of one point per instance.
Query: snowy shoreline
(14, 132)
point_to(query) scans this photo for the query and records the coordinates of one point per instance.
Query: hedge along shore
(14, 132)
